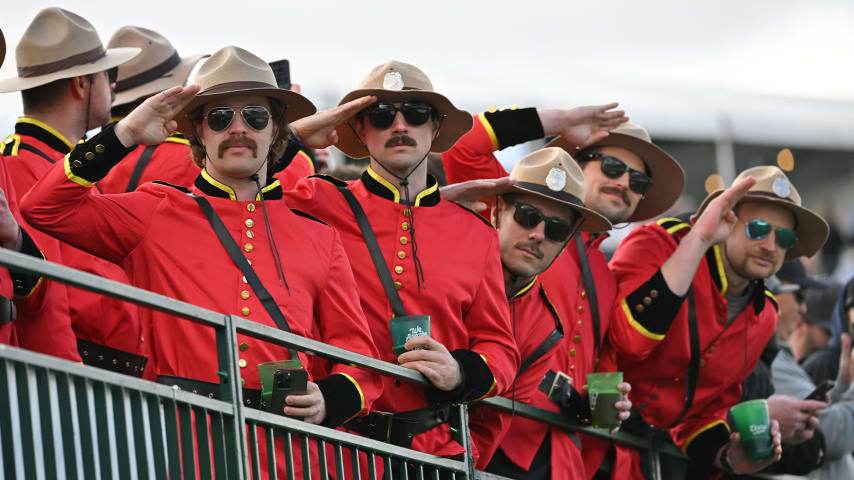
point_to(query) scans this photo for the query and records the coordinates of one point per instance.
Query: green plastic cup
(754, 425)
(266, 371)
(603, 394)
(405, 327)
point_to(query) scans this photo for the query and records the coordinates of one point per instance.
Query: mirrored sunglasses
(757, 230)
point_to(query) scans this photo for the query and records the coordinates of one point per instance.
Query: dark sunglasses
(112, 74)
(382, 114)
(613, 167)
(529, 217)
(757, 230)
(220, 118)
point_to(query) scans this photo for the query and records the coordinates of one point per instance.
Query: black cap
(794, 272)
(820, 305)
(282, 72)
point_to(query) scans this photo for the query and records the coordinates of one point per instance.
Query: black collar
(43, 133)
(716, 270)
(378, 185)
(211, 187)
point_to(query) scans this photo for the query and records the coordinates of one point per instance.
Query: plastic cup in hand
(754, 426)
(405, 327)
(603, 394)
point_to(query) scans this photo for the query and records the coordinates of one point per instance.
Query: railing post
(231, 390)
(465, 437)
(654, 462)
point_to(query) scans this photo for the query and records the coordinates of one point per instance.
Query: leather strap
(590, 287)
(141, 163)
(7, 311)
(251, 396)
(400, 428)
(109, 358)
(547, 344)
(240, 261)
(694, 364)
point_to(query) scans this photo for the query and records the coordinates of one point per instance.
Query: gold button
(639, 308)
(580, 308)
(583, 293)
(676, 380)
(250, 207)
(577, 339)
(404, 240)
(653, 293)
(398, 269)
(492, 110)
(76, 164)
(89, 156)
(244, 294)
(244, 311)
(242, 363)
(398, 285)
(647, 300)
(572, 352)
(248, 247)
(99, 148)
(580, 323)
(244, 346)
(407, 212)
(404, 225)
(249, 223)
(702, 362)
(401, 254)
(250, 234)
(572, 367)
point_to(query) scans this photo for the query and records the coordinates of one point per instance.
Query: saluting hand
(151, 122)
(318, 130)
(311, 406)
(718, 219)
(469, 191)
(585, 125)
(435, 362)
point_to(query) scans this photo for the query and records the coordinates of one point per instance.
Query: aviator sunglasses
(220, 118)
(529, 217)
(613, 167)
(757, 230)
(382, 114)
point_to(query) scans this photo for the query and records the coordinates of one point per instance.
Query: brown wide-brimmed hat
(234, 71)
(396, 81)
(553, 174)
(157, 68)
(668, 178)
(773, 186)
(60, 44)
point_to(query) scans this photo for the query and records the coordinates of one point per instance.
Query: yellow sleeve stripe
(489, 130)
(74, 178)
(361, 397)
(634, 323)
(491, 387)
(676, 228)
(698, 432)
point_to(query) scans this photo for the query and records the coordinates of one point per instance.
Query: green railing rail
(59, 419)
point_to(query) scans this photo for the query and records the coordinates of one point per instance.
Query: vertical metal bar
(66, 423)
(140, 447)
(203, 442)
(156, 425)
(103, 430)
(6, 420)
(173, 447)
(655, 463)
(339, 461)
(306, 458)
(271, 453)
(231, 390)
(355, 461)
(465, 434)
(26, 421)
(87, 448)
(188, 454)
(420, 471)
(289, 455)
(122, 450)
(372, 467)
(321, 459)
(46, 421)
(233, 461)
(218, 435)
(389, 470)
(254, 461)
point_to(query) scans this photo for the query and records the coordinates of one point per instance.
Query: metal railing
(59, 419)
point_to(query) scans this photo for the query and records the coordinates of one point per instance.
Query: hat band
(542, 189)
(152, 73)
(63, 64)
(770, 195)
(235, 87)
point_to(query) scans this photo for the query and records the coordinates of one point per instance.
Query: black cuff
(704, 448)
(654, 305)
(25, 283)
(93, 159)
(477, 377)
(513, 127)
(343, 399)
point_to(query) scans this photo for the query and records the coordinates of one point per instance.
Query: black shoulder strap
(694, 365)
(234, 252)
(590, 286)
(548, 343)
(27, 146)
(376, 254)
(141, 163)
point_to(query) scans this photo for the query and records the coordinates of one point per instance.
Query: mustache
(619, 191)
(247, 142)
(401, 140)
(533, 247)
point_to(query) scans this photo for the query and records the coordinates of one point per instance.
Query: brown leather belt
(109, 358)
(251, 396)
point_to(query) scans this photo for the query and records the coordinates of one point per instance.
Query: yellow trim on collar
(266, 189)
(33, 121)
(307, 159)
(74, 178)
(488, 127)
(698, 432)
(376, 176)
(721, 270)
(361, 396)
(526, 287)
(216, 183)
(182, 141)
(634, 323)
(425, 192)
(676, 228)
(546, 295)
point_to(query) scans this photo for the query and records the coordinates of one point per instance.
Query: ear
(78, 86)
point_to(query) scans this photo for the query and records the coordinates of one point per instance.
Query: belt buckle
(379, 425)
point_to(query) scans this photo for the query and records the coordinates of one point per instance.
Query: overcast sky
(677, 67)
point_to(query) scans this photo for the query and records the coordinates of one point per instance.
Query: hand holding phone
(820, 392)
(287, 382)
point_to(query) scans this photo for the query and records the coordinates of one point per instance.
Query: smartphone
(287, 382)
(820, 392)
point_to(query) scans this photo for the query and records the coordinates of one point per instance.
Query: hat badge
(393, 81)
(781, 187)
(556, 179)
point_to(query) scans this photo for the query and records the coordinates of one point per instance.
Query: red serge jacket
(463, 289)
(650, 334)
(170, 162)
(300, 166)
(163, 240)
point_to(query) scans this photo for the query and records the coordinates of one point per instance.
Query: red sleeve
(300, 167)
(472, 156)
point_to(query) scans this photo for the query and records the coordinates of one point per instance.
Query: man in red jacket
(165, 240)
